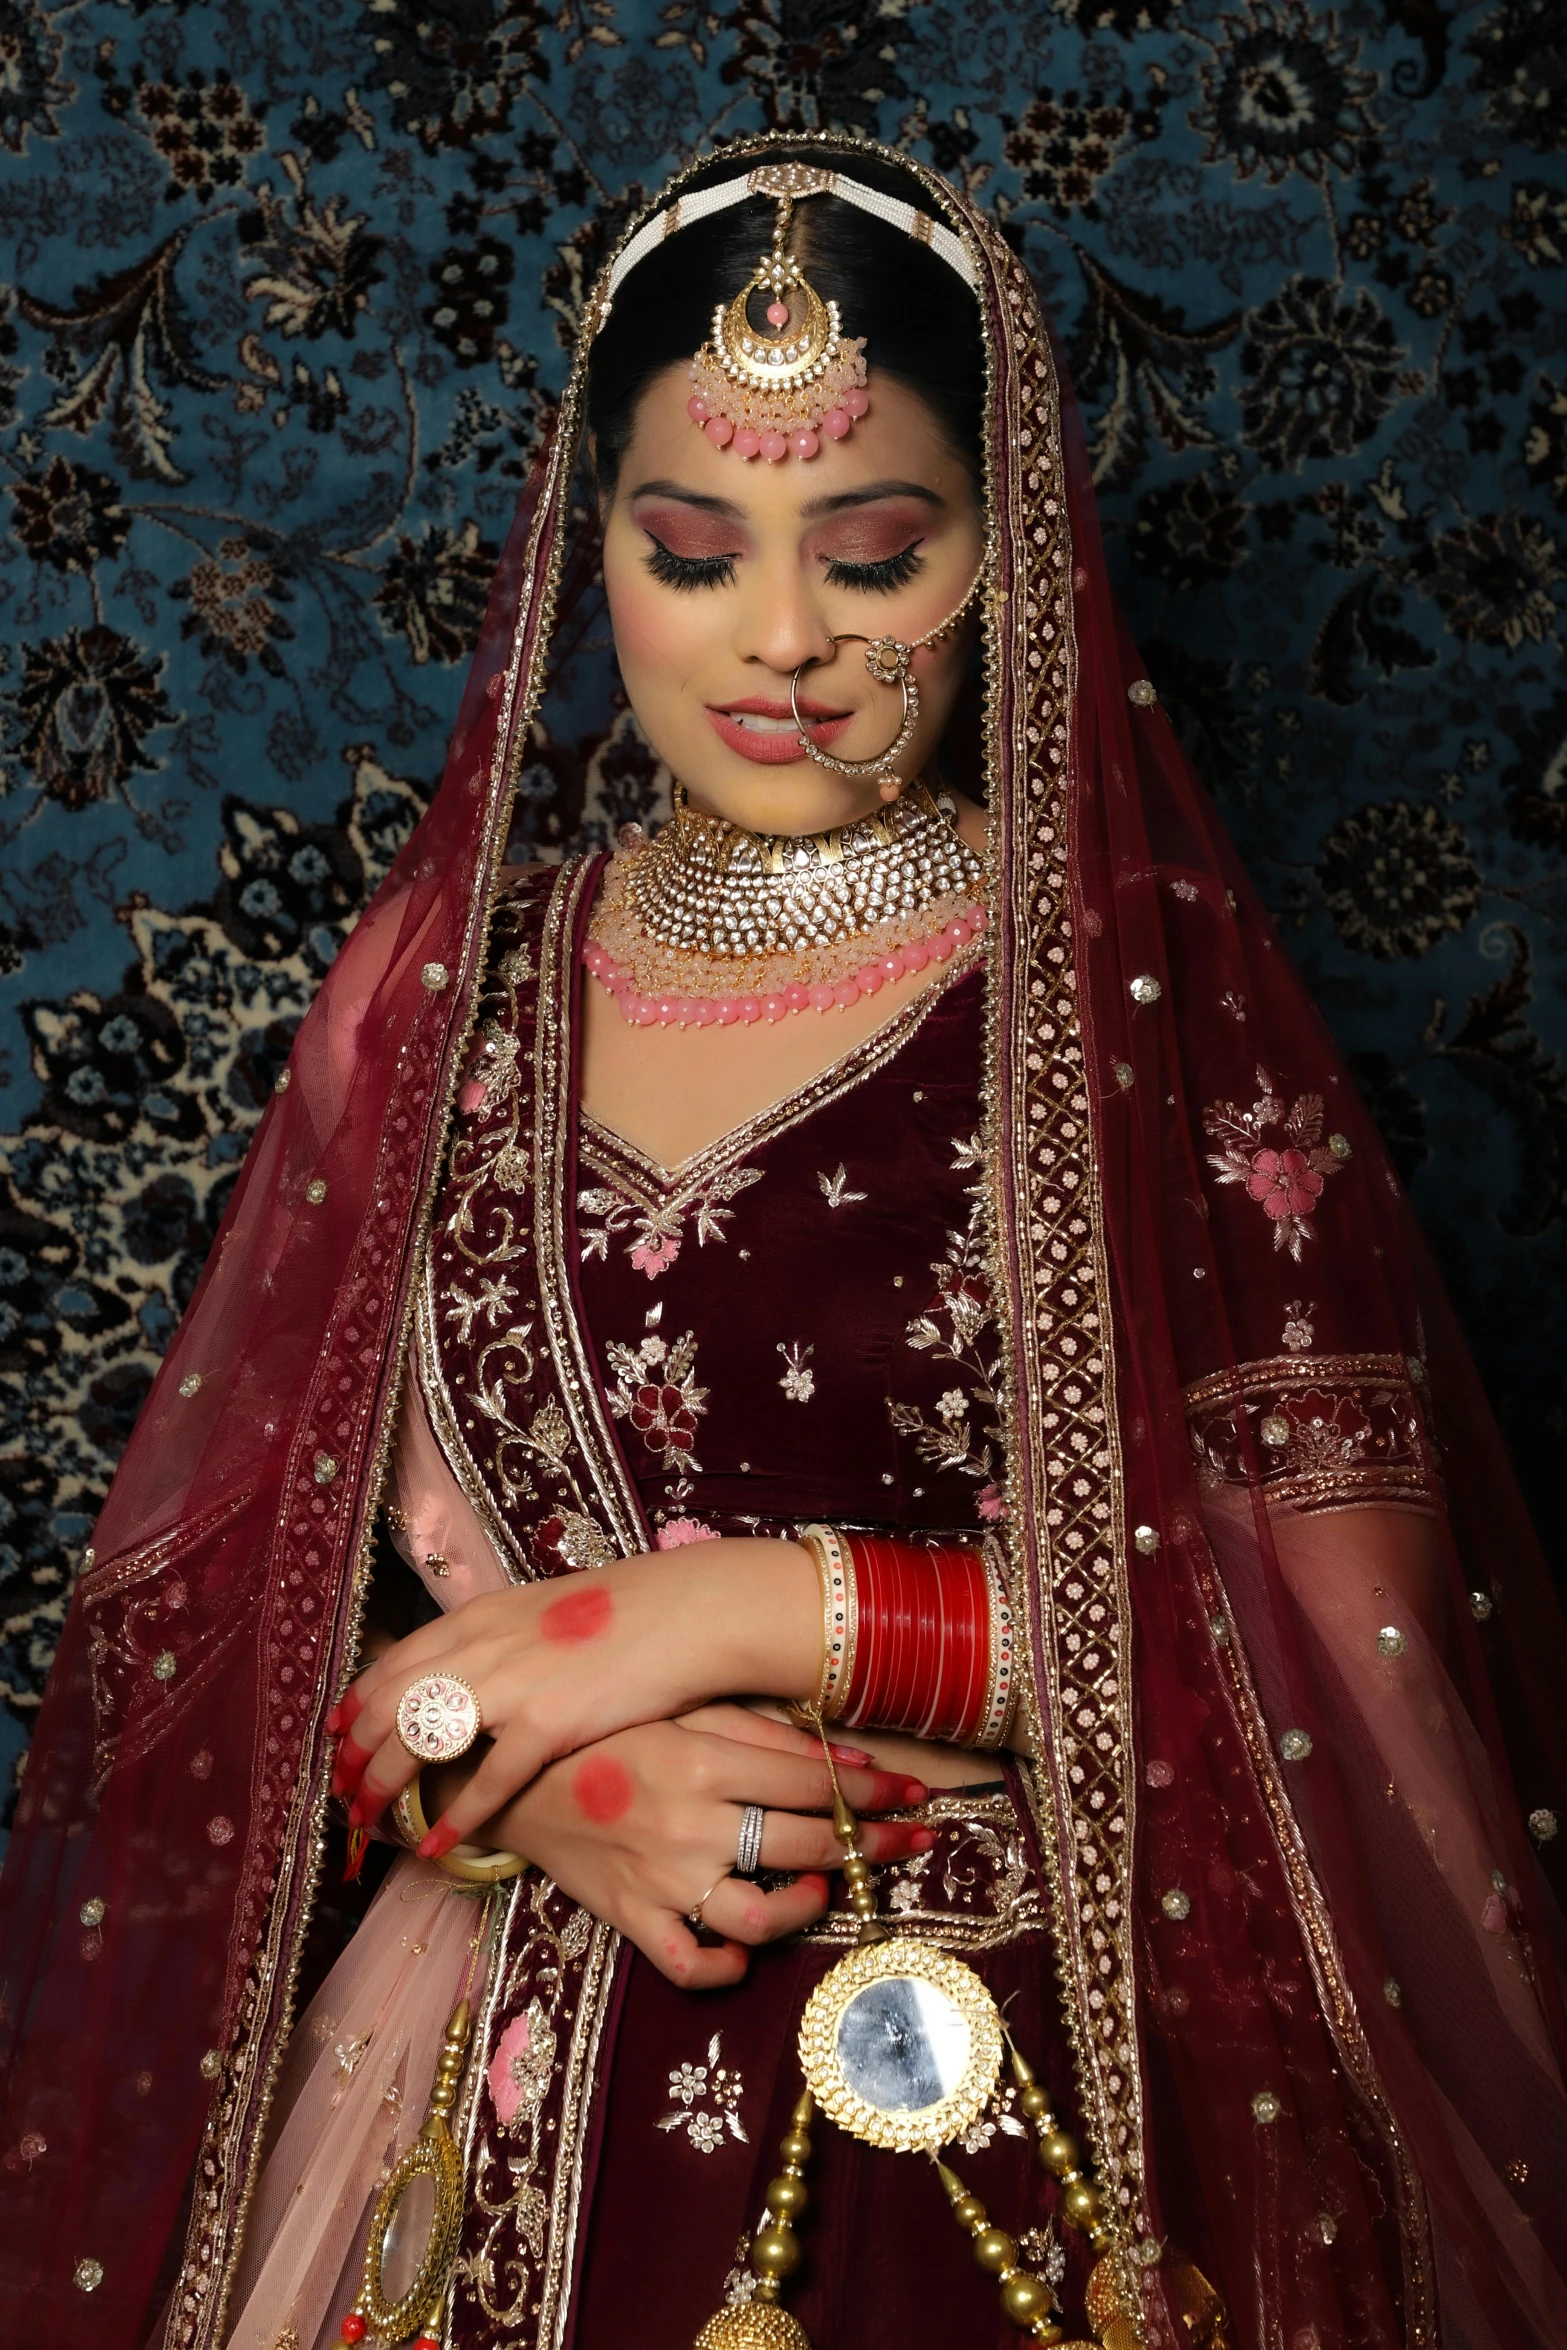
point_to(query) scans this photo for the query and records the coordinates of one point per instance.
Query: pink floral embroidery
(991, 1506)
(655, 1253)
(680, 1531)
(1285, 1182)
(1288, 1181)
(508, 2068)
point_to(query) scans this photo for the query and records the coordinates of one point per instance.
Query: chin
(799, 798)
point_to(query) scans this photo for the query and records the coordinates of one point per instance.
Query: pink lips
(775, 750)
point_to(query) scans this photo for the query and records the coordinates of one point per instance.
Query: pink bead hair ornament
(780, 390)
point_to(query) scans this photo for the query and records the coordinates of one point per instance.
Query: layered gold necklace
(706, 923)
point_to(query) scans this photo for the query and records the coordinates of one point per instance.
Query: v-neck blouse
(793, 1324)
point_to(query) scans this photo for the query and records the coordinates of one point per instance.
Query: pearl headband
(792, 180)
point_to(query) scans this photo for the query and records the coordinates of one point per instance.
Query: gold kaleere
(910, 1992)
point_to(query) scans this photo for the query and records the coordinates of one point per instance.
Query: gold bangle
(467, 1862)
(835, 1567)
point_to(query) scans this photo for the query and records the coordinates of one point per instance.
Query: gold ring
(694, 1917)
(438, 1718)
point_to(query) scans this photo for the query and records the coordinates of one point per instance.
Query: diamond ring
(438, 1718)
(748, 1853)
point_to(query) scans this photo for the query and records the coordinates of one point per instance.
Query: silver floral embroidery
(655, 1389)
(1298, 1329)
(998, 2115)
(706, 2098)
(798, 1381)
(953, 1330)
(657, 1228)
(495, 1295)
(833, 1191)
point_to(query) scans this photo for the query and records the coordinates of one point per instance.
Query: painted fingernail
(443, 1838)
(816, 1882)
(915, 1791)
(334, 1721)
(850, 1754)
(922, 1839)
(356, 1815)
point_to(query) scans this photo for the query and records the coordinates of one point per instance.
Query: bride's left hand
(561, 1664)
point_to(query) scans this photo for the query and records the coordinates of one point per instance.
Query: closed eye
(893, 571)
(688, 571)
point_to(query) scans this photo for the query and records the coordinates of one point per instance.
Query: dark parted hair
(920, 321)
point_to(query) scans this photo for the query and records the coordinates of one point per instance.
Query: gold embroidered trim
(554, 1061)
(1318, 1432)
(1065, 1510)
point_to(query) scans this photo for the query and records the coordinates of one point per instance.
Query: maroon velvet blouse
(793, 1324)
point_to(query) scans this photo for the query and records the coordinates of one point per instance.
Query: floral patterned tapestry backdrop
(291, 291)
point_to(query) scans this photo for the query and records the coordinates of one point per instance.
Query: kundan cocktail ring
(438, 1718)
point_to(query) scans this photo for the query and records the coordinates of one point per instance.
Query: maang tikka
(779, 386)
(775, 392)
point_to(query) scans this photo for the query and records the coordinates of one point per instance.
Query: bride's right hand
(639, 1827)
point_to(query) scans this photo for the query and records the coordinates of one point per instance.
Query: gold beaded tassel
(856, 1868)
(1025, 2298)
(760, 2324)
(1111, 2296)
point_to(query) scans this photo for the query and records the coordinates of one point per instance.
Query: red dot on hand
(602, 1789)
(578, 1615)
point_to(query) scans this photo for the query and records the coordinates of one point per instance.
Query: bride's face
(724, 575)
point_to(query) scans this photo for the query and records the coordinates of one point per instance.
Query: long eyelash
(689, 571)
(894, 571)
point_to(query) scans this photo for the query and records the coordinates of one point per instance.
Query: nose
(779, 620)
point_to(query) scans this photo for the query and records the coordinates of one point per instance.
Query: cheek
(580, 1615)
(660, 637)
(602, 1789)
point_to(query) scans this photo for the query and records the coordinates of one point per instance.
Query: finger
(799, 1782)
(790, 1841)
(390, 1769)
(348, 1767)
(744, 1913)
(342, 1715)
(668, 1943)
(406, 1660)
(512, 1763)
(749, 1728)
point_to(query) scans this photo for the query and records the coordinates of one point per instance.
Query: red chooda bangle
(933, 1650)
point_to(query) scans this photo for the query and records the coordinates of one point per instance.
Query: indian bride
(832, 1419)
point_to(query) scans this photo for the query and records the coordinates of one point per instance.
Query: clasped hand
(601, 1767)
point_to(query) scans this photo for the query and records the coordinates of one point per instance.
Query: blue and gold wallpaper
(288, 294)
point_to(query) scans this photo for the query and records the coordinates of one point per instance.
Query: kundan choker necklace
(706, 923)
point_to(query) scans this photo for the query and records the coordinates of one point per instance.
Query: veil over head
(1293, 1649)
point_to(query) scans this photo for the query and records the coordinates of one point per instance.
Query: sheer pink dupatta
(362, 2057)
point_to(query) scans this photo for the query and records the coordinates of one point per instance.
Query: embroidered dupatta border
(1065, 1513)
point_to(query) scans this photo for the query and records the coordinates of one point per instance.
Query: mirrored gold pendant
(901, 2044)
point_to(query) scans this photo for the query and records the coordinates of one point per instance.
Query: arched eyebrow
(839, 503)
(868, 496)
(725, 508)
